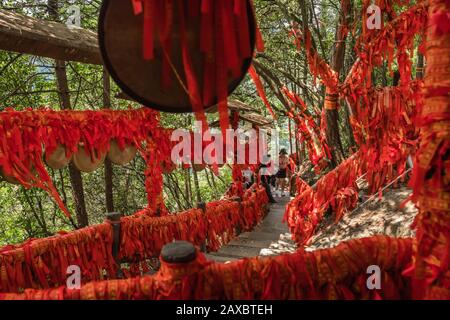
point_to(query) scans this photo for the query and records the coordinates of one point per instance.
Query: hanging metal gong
(122, 42)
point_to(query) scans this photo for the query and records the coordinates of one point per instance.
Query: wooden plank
(22, 34)
(268, 236)
(253, 118)
(234, 105)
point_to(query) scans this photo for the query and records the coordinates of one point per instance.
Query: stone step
(251, 243)
(275, 224)
(270, 229)
(239, 251)
(222, 259)
(228, 256)
(258, 235)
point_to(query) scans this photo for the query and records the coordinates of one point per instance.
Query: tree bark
(420, 64)
(213, 180)
(337, 62)
(351, 137)
(109, 173)
(76, 180)
(290, 136)
(185, 196)
(301, 154)
(197, 187)
(175, 194)
(188, 187)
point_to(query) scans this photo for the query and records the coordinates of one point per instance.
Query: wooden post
(114, 219)
(109, 171)
(239, 227)
(290, 136)
(179, 261)
(202, 206)
(430, 272)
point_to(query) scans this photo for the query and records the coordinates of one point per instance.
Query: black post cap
(113, 216)
(178, 252)
(201, 205)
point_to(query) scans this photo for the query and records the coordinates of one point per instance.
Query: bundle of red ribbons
(376, 45)
(143, 236)
(386, 133)
(42, 263)
(308, 130)
(23, 133)
(337, 189)
(380, 45)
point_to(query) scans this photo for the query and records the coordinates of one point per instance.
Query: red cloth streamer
(309, 131)
(42, 263)
(149, 25)
(137, 6)
(260, 88)
(23, 133)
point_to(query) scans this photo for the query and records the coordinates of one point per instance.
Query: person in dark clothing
(249, 178)
(265, 179)
(282, 173)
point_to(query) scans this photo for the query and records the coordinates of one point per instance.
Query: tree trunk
(197, 187)
(211, 183)
(108, 166)
(337, 62)
(351, 137)
(331, 100)
(175, 194)
(187, 185)
(213, 179)
(290, 136)
(419, 69)
(127, 187)
(76, 179)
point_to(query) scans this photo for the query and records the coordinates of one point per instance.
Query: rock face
(377, 216)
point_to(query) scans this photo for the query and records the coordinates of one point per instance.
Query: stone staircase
(270, 237)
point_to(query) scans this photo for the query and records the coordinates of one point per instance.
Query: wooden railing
(100, 250)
